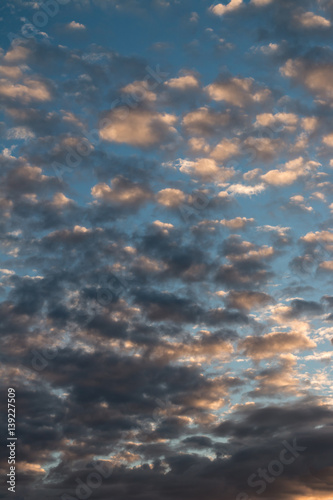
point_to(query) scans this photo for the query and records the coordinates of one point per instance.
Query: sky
(166, 257)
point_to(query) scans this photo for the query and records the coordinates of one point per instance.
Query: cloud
(220, 9)
(326, 265)
(237, 223)
(12, 72)
(247, 264)
(73, 25)
(20, 133)
(122, 191)
(263, 148)
(292, 171)
(29, 90)
(315, 75)
(139, 91)
(328, 140)
(297, 202)
(247, 300)
(140, 128)
(325, 237)
(156, 307)
(275, 343)
(310, 123)
(309, 20)
(17, 54)
(206, 168)
(261, 3)
(237, 91)
(205, 121)
(269, 120)
(169, 197)
(243, 190)
(226, 149)
(186, 82)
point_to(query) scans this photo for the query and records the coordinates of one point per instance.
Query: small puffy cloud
(163, 227)
(237, 223)
(309, 123)
(205, 168)
(204, 121)
(12, 72)
(328, 140)
(29, 90)
(273, 344)
(140, 128)
(194, 18)
(75, 26)
(243, 190)
(310, 20)
(264, 148)
(29, 180)
(170, 197)
(247, 300)
(326, 265)
(280, 233)
(220, 9)
(251, 175)
(247, 264)
(225, 149)
(61, 201)
(271, 48)
(269, 120)
(237, 91)
(198, 145)
(122, 191)
(246, 251)
(316, 76)
(7, 272)
(318, 237)
(280, 178)
(297, 201)
(317, 195)
(187, 82)
(20, 133)
(17, 54)
(261, 3)
(139, 90)
(291, 172)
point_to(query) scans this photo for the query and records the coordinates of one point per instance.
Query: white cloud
(206, 168)
(328, 140)
(309, 123)
(316, 76)
(141, 128)
(311, 20)
(268, 119)
(292, 171)
(140, 91)
(326, 265)
(237, 91)
(225, 149)
(170, 197)
(76, 26)
(186, 82)
(241, 189)
(220, 9)
(30, 90)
